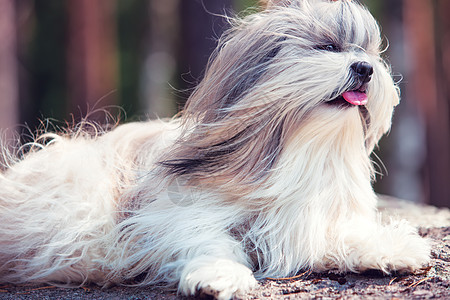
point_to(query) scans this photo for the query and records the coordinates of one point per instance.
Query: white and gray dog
(266, 172)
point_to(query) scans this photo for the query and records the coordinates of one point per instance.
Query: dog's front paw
(410, 252)
(397, 248)
(221, 278)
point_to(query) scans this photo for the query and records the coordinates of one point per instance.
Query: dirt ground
(432, 282)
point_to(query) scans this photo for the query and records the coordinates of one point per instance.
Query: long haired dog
(267, 171)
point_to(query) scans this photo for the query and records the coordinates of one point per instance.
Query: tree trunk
(425, 24)
(92, 57)
(8, 70)
(201, 26)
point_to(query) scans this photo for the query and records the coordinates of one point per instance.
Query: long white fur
(280, 181)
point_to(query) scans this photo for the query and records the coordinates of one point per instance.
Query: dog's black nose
(363, 70)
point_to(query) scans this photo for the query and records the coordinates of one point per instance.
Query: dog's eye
(328, 47)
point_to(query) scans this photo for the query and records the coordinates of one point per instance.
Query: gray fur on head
(268, 72)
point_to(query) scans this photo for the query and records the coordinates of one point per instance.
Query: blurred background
(60, 59)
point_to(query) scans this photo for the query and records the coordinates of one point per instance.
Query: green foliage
(242, 5)
(44, 63)
(132, 25)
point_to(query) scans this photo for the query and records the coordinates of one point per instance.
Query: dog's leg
(185, 245)
(55, 208)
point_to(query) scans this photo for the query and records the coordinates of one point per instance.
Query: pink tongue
(355, 97)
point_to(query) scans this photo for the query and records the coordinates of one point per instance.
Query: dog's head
(274, 71)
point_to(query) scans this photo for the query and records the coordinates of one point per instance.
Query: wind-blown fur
(267, 171)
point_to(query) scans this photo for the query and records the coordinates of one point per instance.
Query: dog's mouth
(354, 97)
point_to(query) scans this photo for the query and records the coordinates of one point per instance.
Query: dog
(267, 171)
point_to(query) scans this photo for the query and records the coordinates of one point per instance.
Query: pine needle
(290, 278)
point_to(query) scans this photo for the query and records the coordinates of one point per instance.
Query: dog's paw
(413, 253)
(398, 249)
(221, 278)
